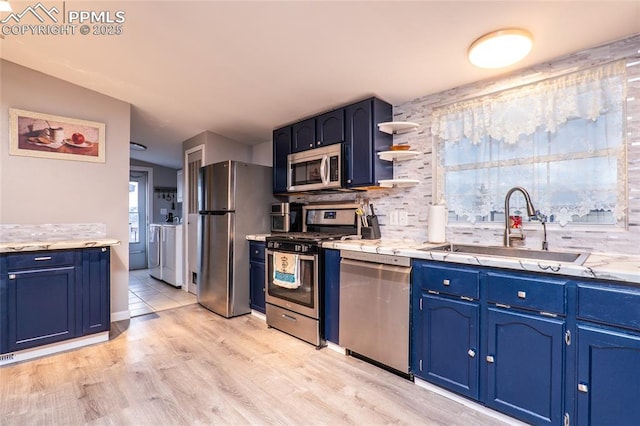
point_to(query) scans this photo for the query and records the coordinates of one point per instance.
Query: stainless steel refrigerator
(234, 200)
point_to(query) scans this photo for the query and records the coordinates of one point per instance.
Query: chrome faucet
(531, 212)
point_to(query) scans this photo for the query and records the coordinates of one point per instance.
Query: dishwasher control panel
(387, 259)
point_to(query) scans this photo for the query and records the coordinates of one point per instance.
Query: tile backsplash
(52, 232)
(415, 200)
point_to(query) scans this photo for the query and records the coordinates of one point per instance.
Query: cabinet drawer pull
(583, 387)
(42, 258)
(522, 294)
(433, 292)
(471, 353)
(470, 299)
(446, 282)
(490, 359)
(501, 305)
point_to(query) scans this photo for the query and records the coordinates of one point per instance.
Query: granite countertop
(55, 244)
(604, 266)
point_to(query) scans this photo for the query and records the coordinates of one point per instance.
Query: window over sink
(563, 139)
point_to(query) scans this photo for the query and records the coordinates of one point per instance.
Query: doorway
(139, 181)
(193, 160)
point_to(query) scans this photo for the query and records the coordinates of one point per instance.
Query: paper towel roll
(436, 224)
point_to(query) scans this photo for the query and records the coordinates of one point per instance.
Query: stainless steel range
(294, 278)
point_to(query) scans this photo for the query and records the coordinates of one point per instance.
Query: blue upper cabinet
(303, 135)
(316, 132)
(330, 128)
(281, 149)
(363, 141)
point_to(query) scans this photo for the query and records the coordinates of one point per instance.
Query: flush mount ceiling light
(500, 48)
(5, 6)
(137, 146)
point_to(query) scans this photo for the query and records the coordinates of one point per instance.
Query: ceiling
(241, 69)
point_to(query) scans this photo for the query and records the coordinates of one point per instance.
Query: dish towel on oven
(285, 270)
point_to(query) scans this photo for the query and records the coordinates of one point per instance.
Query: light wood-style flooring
(188, 366)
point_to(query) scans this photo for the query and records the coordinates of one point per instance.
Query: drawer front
(538, 294)
(609, 305)
(447, 280)
(257, 251)
(40, 259)
(293, 323)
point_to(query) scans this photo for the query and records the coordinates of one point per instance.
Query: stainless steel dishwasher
(374, 307)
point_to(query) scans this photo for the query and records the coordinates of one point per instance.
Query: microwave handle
(324, 170)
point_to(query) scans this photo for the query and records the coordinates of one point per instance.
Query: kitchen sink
(517, 253)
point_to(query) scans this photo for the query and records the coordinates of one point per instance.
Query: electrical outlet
(163, 211)
(403, 218)
(393, 218)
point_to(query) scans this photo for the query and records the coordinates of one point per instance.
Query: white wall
(42, 190)
(263, 154)
(219, 148)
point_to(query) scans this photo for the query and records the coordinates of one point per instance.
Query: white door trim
(149, 171)
(189, 286)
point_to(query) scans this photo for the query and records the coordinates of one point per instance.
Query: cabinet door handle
(490, 359)
(582, 387)
(446, 282)
(522, 294)
(42, 258)
(471, 353)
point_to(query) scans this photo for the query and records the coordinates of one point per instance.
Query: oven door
(304, 299)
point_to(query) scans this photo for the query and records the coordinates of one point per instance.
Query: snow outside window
(562, 139)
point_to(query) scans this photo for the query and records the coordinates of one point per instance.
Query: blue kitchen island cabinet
(51, 296)
(281, 149)
(331, 295)
(96, 307)
(41, 302)
(257, 276)
(608, 356)
(446, 316)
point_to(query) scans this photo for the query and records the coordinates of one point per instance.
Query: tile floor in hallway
(147, 295)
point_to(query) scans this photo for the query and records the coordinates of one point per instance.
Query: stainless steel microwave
(315, 169)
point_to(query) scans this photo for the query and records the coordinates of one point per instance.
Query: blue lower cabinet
(257, 276)
(41, 307)
(608, 388)
(331, 295)
(446, 345)
(51, 296)
(525, 366)
(96, 310)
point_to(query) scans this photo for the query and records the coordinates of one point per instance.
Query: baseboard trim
(336, 348)
(259, 314)
(468, 403)
(120, 316)
(53, 348)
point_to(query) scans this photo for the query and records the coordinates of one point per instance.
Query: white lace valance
(507, 115)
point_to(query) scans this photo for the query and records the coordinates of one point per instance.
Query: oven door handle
(300, 256)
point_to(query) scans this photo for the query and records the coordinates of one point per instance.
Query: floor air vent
(6, 357)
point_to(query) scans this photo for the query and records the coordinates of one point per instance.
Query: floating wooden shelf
(397, 127)
(397, 183)
(398, 155)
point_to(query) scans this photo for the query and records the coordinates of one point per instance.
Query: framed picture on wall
(34, 134)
